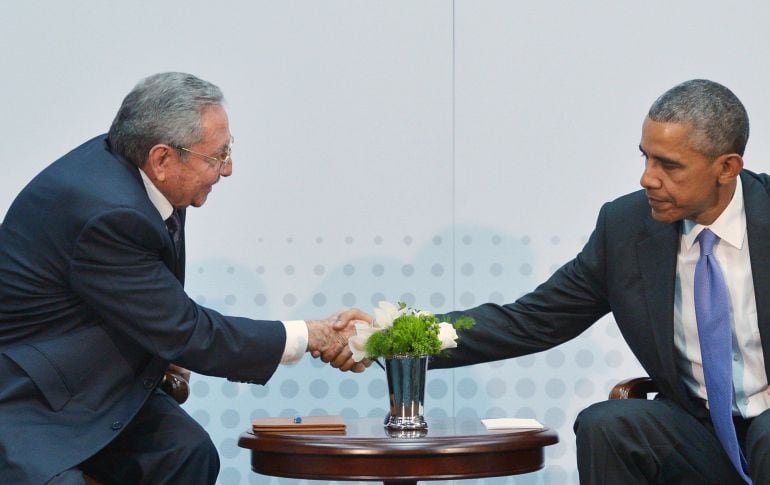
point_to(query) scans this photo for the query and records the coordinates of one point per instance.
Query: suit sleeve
(572, 299)
(118, 269)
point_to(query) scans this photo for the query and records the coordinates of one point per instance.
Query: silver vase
(406, 386)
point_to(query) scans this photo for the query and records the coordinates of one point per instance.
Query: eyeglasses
(217, 163)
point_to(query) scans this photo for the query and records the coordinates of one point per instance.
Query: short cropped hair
(718, 117)
(162, 108)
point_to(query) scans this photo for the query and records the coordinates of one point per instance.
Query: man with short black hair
(644, 263)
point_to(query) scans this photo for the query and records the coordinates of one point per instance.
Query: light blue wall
(442, 152)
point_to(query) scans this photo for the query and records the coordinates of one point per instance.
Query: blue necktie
(712, 312)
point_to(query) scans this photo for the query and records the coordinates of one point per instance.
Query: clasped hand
(328, 339)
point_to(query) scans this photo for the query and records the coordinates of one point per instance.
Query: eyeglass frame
(213, 161)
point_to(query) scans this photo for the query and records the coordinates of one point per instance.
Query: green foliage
(412, 333)
(464, 323)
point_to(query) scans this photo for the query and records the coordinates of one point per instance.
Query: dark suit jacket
(627, 267)
(91, 313)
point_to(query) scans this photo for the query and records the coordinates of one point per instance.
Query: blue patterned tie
(712, 312)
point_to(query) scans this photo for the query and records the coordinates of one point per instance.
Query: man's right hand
(328, 339)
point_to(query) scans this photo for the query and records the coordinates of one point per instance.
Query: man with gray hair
(93, 310)
(683, 265)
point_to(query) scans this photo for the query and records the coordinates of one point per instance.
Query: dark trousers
(640, 441)
(162, 444)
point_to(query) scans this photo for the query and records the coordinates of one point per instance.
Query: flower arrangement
(402, 330)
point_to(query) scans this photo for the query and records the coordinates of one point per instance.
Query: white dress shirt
(732, 254)
(296, 330)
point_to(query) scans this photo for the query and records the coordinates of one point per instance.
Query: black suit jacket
(627, 267)
(92, 312)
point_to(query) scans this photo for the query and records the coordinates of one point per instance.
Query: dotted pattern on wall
(311, 277)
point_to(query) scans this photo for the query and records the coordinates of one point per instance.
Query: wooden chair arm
(176, 386)
(635, 388)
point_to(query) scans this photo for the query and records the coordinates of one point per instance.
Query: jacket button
(116, 425)
(149, 383)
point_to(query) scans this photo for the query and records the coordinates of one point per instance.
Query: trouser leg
(73, 476)
(640, 441)
(162, 444)
(757, 448)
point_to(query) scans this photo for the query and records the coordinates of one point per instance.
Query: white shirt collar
(156, 197)
(730, 226)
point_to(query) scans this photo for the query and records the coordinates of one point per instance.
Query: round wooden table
(450, 449)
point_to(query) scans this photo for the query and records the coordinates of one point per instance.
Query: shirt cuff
(296, 341)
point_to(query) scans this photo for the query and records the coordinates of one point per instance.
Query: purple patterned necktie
(712, 313)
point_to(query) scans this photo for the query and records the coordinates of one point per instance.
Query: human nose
(226, 169)
(649, 180)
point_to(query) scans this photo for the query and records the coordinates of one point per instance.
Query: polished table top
(450, 449)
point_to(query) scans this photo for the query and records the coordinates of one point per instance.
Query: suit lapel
(657, 263)
(757, 206)
(180, 258)
(177, 266)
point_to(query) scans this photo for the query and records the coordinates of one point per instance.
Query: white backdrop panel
(445, 153)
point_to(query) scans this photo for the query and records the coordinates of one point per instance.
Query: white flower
(357, 343)
(384, 316)
(385, 313)
(447, 335)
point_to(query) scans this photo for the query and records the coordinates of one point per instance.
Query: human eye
(669, 164)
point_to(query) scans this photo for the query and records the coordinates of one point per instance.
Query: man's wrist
(316, 330)
(296, 341)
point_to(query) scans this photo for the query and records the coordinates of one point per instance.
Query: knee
(199, 451)
(602, 419)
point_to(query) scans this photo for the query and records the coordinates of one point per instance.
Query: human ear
(158, 162)
(729, 165)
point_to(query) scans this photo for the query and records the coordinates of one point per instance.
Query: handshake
(328, 339)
